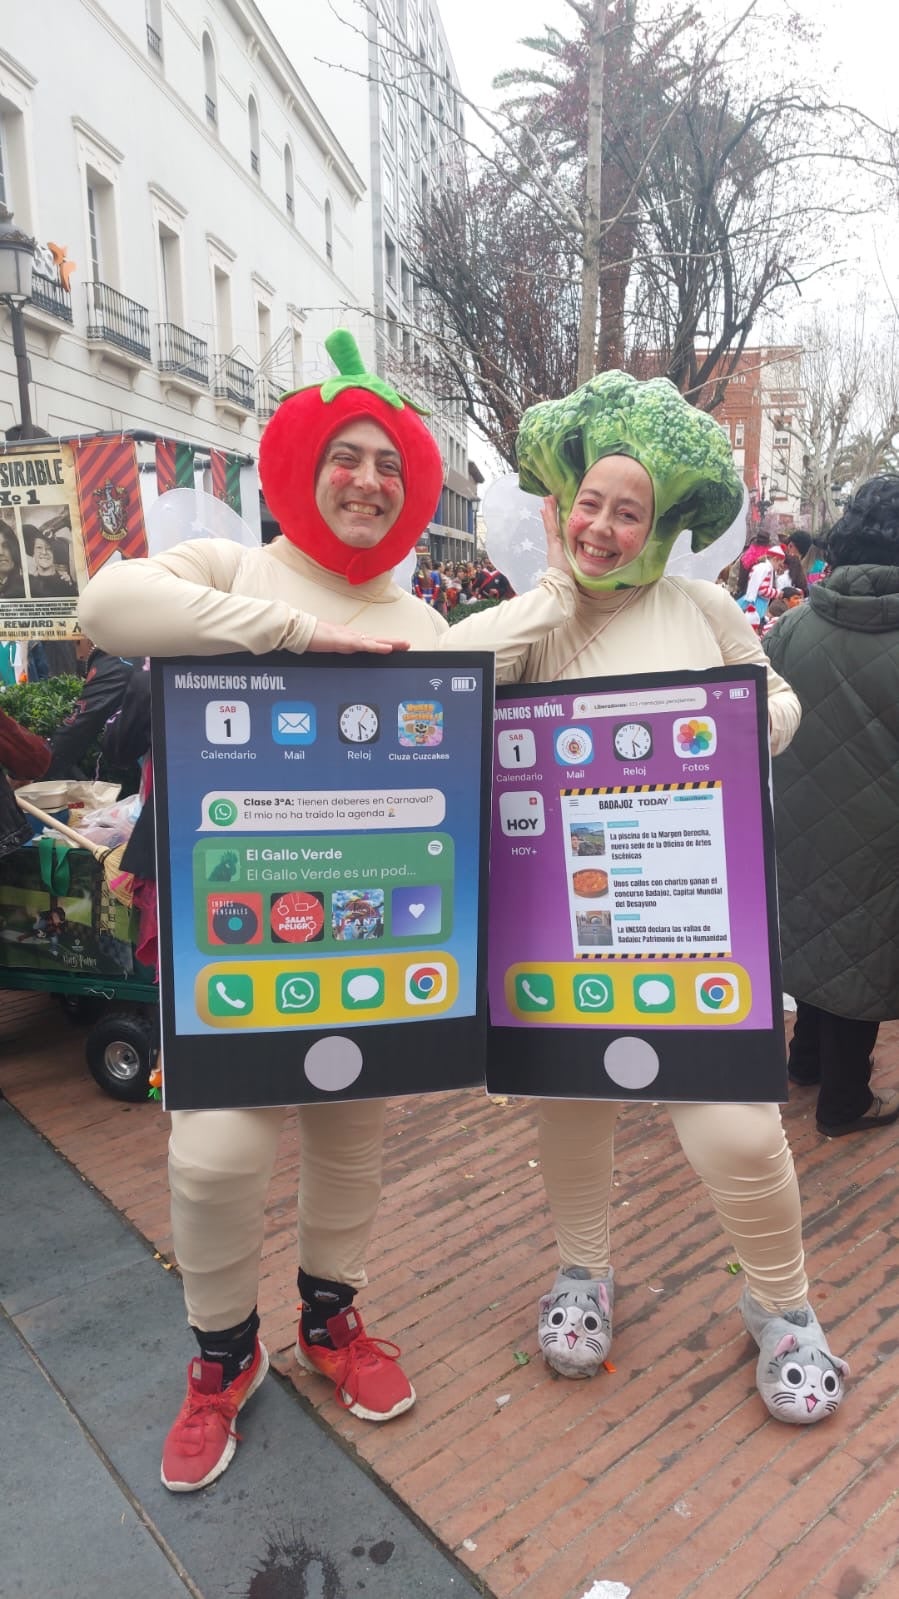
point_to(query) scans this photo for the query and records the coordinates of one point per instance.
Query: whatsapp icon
(222, 812)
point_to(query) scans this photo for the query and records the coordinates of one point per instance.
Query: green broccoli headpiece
(687, 455)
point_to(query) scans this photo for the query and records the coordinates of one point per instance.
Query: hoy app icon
(521, 815)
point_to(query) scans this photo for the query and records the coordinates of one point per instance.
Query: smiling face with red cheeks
(612, 515)
(359, 485)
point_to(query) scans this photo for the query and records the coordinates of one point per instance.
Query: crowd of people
(446, 584)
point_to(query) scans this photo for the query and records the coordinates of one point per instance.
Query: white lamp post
(16, 266)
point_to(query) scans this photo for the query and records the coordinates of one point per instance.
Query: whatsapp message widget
(329, 892)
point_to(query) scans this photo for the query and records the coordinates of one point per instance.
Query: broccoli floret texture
(686, 453)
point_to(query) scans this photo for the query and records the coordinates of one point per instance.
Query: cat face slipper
(575, 1326)
(797, 1376)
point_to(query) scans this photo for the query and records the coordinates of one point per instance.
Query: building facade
(762, 411)
(417, 122)
(218, 226)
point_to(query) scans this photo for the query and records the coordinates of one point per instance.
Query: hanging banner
(112, 516)
(40, 542)
(225, 471)
(174, 465)
(322, 857)
(633, 950)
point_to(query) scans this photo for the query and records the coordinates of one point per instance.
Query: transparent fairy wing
(190, 514)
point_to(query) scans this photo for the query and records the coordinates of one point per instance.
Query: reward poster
(633, 947)
(322, 848)
(64, 509)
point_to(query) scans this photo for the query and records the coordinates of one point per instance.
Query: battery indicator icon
(463, 685)
(739, 693)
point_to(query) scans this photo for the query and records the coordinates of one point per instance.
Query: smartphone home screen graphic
(322, 847)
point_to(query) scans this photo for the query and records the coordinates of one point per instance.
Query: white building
(384, 73)
(417, 120)
(219, 226)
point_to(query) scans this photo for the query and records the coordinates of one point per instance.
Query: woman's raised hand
(555, 547)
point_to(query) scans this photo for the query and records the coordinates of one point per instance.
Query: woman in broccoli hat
(625, 467)
(353, 476)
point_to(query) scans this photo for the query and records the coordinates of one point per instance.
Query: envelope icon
(293, 722)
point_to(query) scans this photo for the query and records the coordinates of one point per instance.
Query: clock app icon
(633, 741)
(358, 724)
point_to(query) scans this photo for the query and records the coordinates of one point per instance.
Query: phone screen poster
(633, 944)
(323, 853)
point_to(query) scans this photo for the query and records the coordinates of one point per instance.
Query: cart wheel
(82, 1009)
(120, 1050)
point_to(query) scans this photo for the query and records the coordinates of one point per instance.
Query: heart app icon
(416, 911)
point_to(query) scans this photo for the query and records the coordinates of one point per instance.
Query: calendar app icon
(227, 722)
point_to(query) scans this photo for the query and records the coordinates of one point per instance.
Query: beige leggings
(739, 1151)
(220, 1166)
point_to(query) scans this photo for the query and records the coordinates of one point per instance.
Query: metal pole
(23, 370)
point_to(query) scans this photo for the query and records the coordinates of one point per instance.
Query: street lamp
(16, 265)
(763, 504)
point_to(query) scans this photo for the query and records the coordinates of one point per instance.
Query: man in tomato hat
(353, 477)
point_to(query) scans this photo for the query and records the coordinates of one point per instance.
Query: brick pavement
(667, 1474)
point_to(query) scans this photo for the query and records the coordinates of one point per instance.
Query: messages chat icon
(293, 722)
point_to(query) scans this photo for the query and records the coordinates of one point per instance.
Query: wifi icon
(717, 692)
(435, 682)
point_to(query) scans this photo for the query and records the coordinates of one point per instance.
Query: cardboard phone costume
(294, 442)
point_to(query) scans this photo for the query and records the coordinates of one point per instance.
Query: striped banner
(226, 478)
(174, 465)
(112, 516)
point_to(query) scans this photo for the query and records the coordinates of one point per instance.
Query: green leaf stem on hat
(344, 352)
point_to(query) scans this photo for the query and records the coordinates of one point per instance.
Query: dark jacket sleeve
(104, 689)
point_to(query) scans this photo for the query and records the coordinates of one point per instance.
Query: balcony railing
(154, 42)
(181, 352)
(118, 320)
(267, 396)
(234, 381)
(48, 294)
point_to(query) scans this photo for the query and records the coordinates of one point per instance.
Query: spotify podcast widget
(323, 827)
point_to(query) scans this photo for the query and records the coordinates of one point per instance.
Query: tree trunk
(587, 340)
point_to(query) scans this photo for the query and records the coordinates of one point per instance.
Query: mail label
(293, 722)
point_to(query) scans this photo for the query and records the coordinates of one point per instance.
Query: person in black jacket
(836, 795)
(107, 679)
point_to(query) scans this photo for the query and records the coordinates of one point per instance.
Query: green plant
(41, 706)
(459, 612)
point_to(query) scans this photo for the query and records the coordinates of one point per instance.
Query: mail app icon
(293, 722)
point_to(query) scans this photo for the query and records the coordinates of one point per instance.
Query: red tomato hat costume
(294, 442)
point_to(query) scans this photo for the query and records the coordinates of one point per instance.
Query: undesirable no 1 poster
(633, 947)
(322, 831)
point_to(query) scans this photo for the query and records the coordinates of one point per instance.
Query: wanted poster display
(633, 948)
(322, 839)
(64, 510)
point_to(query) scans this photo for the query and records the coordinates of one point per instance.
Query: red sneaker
(202, 1442)
(364, 1371)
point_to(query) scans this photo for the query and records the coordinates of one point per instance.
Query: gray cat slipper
(574, 1329)
(797, 1376)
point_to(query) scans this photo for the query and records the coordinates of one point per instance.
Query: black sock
(321, 1300)
(232, 1349)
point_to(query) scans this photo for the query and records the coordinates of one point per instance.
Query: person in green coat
(836, 791)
